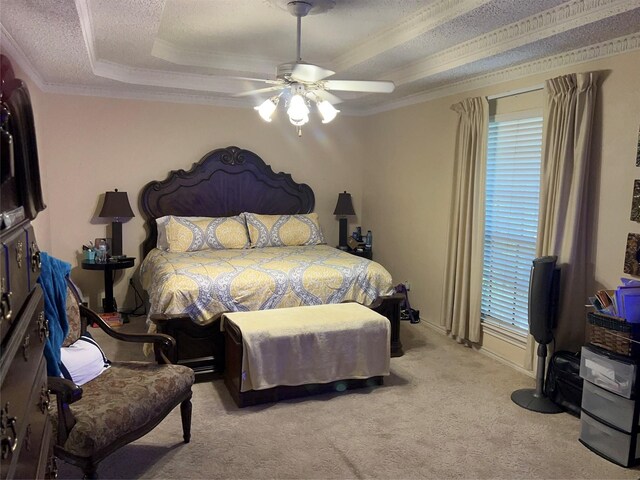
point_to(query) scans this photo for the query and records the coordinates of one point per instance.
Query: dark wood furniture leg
(185, 414)
(389, 306)
(199, 347)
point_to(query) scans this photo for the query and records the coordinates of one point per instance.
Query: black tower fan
(544, 288)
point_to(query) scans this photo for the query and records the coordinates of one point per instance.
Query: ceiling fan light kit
(302, 83)
(266, 108)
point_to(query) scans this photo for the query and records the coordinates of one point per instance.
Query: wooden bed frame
(227, 182)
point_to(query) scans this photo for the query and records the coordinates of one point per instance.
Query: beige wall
(408, 183)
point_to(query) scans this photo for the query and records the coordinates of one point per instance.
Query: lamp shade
(344, 205)
(116, 204)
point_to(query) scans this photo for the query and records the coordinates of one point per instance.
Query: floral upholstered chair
(122, 403)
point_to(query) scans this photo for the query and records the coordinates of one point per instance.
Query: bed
(193, 278)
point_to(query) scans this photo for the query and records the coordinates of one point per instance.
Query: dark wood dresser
(25, 426)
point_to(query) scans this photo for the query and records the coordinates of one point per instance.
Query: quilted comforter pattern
(206, 283)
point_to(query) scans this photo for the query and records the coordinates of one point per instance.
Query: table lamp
(344, 207)
(116, 205)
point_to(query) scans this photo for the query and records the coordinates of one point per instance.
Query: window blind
(511, 218)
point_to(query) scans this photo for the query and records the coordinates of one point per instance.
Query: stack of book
(113, 319)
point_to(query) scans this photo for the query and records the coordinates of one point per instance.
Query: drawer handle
(45, 399)
(19, 253)
(36, 262)
(9, 440)
(5, 305)
(43, 327)
(25, 347)
(52, 468)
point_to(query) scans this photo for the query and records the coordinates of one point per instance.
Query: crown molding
(561, 18)
(86, 27)
(141, 76)
(617, 46)
(154, 78)
(18, 56)
(419, 23)
(119, 93)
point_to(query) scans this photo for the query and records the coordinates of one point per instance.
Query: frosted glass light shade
(266, 109)
(327, 111)
(298, 111)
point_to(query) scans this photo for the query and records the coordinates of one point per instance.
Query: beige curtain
(562, 229)
(463, 274)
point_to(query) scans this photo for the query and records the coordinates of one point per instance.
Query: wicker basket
(614, 334)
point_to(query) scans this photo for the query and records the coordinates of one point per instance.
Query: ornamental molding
(426, 19)
(606, 49)
(553, 21)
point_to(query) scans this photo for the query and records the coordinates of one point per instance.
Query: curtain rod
(518, 91)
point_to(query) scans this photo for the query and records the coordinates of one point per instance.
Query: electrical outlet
(407, 285)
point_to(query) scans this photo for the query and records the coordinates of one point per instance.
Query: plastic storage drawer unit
(619, 447)
(608, 407)
(609, 371)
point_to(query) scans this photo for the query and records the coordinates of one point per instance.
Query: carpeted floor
(445, 412)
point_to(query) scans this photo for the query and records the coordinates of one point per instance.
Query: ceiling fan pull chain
(299, 35)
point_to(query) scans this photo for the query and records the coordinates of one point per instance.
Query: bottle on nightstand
(368, 243)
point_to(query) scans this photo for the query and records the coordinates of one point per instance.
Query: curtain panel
(562, 224)
(463, 273)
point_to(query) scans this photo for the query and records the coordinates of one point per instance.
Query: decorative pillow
(73, 317)
(283, 230)
(83, 360)
(190, 234)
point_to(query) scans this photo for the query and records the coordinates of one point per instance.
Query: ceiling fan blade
(329, 97)
(260, 90)
(306, 72)
(374, 86)
(263, 80)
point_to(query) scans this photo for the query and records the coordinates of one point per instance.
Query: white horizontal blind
(511, 218)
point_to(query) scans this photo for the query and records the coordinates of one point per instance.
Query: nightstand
(109, 303)
(363, 253)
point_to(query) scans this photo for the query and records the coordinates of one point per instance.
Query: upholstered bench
(283, 353)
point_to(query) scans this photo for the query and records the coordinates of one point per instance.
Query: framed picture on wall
(635, 203)
(632, 255)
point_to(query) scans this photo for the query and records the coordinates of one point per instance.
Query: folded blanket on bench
(311, 344)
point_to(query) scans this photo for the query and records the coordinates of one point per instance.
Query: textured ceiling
(195, 50)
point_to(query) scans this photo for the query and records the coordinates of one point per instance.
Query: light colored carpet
(445, 412)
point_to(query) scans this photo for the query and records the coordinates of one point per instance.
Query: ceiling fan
(301, 83)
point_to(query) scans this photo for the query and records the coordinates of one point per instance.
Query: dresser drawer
(613, 409)
(22, 367)
(609, 371)
(14, 277)
(616, 446)
(31, 455)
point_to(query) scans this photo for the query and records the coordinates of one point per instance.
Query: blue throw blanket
(53, 280)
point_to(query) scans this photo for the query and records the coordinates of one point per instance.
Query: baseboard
(484, 351)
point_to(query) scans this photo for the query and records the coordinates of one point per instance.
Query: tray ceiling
(195, 50)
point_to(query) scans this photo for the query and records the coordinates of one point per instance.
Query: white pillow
(83, 360)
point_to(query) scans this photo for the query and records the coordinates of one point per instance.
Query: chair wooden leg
(90, 472)
(185, 413)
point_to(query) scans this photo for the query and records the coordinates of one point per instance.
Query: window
(511, 217)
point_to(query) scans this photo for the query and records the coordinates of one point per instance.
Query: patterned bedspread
(206, 283)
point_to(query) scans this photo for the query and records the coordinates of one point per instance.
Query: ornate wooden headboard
(225, 182)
